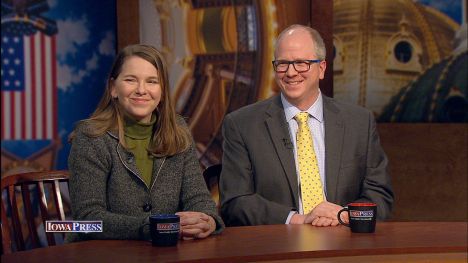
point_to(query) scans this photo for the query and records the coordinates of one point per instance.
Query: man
(270, 178)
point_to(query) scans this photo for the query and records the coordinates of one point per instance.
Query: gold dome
(381, 46)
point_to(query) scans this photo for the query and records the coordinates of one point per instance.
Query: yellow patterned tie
(311, 186)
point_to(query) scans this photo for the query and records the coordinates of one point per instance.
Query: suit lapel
(334, 132)
(279, 133)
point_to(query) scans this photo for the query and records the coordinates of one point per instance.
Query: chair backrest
(24, 197)
(211, 175)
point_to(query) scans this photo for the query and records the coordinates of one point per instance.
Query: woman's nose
(141, 89)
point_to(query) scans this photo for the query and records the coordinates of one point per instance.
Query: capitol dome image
(382, 46)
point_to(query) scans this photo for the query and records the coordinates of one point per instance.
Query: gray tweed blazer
(106, 185)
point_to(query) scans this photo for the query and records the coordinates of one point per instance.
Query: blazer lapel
(279, 133)
(334, 132)
(127, 158)
(158, 164)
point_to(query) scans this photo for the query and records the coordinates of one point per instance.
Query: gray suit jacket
(258, 183)
(105, 185)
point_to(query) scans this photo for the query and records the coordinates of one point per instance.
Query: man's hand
(297, 219)
(325, 214)
(196, 224)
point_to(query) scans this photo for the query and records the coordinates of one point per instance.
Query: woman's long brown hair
(169, 136)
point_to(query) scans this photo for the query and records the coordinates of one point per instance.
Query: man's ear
(323, 66)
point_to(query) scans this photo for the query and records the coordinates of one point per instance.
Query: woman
(134, 157)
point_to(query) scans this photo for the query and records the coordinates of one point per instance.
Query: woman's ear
(113, 92)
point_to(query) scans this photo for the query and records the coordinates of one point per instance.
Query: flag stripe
(38, 69)
(28, 90)
(12, 109)
(48, 77)
(17, 99)
(23, 115)
(44, 86)
(6, 112)
(43, 100)
(54, 88)
(3, 115)
(31, 64)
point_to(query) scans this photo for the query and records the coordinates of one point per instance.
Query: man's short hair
(320, 49)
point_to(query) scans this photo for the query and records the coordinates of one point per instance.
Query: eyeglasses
(281, 66)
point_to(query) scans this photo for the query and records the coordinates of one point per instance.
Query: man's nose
(291, 70)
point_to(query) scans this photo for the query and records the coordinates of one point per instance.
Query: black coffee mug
(164, 229)
(362, 217)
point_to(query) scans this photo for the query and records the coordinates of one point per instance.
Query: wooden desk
(270, 243)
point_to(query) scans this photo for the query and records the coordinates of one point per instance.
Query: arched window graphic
(403, 51)
(404, 54)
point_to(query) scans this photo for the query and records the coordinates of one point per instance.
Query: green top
(138, 136)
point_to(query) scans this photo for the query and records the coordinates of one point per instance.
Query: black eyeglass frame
(309, 62)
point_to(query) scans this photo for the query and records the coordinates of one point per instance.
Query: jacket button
(147, 207)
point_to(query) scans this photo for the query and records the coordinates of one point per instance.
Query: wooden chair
(24, 197)
(211, 175)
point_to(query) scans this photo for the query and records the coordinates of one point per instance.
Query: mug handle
(142, 229)
(339, 216)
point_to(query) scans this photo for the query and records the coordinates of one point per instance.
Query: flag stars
(17, 61)
(6, 61)
(7, 83)
(17, 83)
(11, 72)
(5, 40)
(16, 39)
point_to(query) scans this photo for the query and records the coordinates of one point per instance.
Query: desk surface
(268, 243)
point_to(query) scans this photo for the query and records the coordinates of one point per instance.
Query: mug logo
(167, 226)
(356, 213)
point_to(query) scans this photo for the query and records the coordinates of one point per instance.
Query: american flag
(29, 87)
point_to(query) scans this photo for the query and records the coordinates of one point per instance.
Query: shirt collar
(316, 110)
(138, 130)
